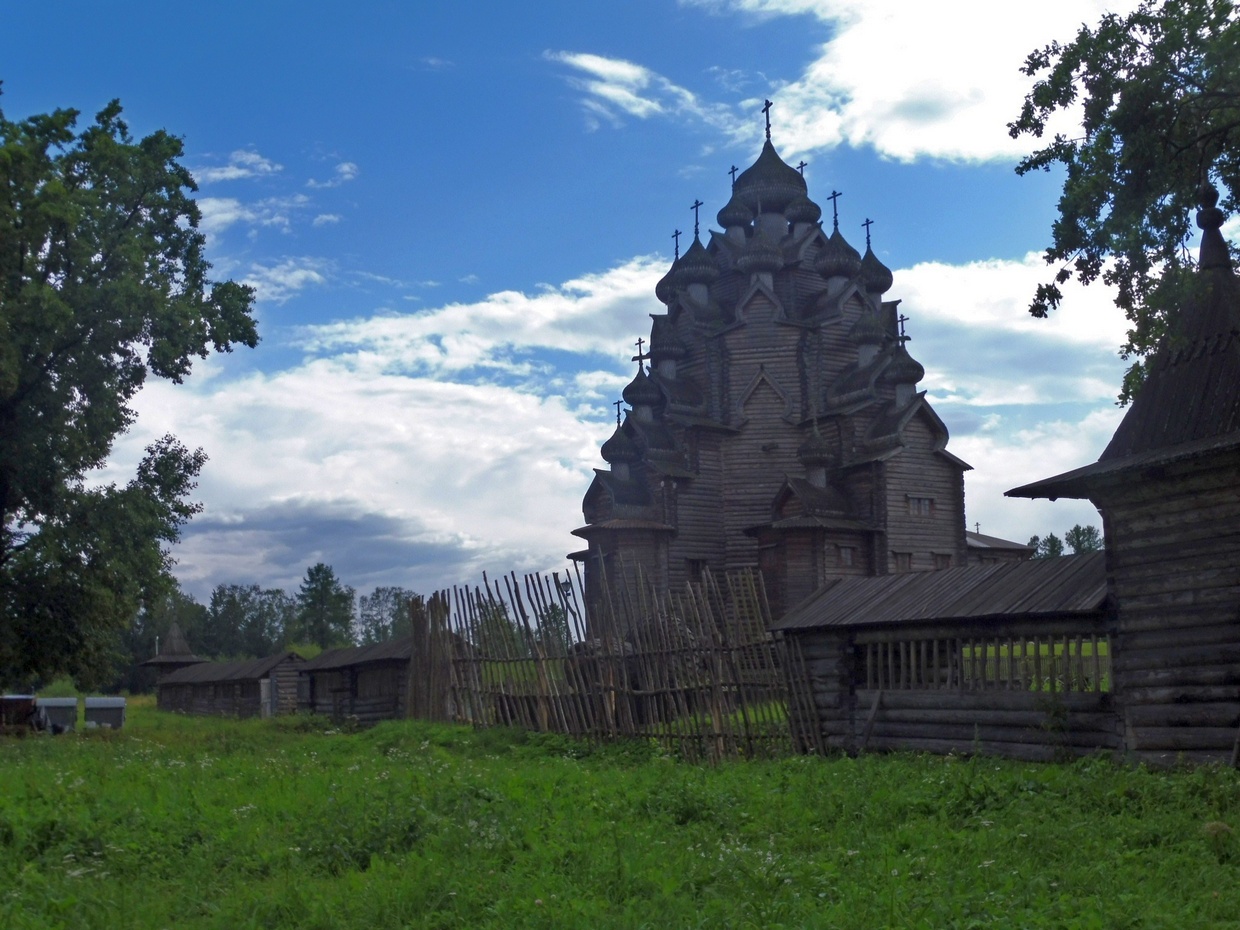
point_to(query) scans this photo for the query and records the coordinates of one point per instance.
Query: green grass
(182, 822)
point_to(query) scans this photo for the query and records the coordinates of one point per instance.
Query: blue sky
(454, 216)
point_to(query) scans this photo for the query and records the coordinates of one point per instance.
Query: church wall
(914, 476)
(698, 505)
(1173, 560)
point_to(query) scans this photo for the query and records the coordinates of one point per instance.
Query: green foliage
(245, 621)
(1046, 547)
(102, 281)
(193, 822)
(1159, 94)
(384, 615)
(324, 609)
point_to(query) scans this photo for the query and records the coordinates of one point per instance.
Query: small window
(921, 506)
(903, 561)
(942, 560)
(694, 569)
(847, 556)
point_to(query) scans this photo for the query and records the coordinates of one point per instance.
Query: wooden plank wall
(1173, 557)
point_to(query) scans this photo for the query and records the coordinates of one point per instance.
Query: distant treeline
(248, 621)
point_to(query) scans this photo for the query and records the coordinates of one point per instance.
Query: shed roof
(393, 650)
(1037, 587)
(244, 670)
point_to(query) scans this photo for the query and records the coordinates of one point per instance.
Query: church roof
(770, 183)
(1190, 401)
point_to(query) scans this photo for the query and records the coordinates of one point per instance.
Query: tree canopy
(324, 609)
(1158, 92)
(102, 282)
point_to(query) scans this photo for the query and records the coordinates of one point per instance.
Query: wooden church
(774, 419)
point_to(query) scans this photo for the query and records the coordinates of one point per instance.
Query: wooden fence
(697, 671)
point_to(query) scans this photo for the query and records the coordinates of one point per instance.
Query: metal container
(105, 712)
(16, 710)
(57, 714)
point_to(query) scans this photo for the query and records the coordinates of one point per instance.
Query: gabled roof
(981, 541)
(213, 672)
(394, 650)
(1071, 584)
(1190, 401)
(173, 649)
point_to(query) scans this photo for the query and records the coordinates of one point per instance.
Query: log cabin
(1168, 488)
(247, 688)
(367, 683)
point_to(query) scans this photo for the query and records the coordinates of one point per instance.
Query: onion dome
(837, 259)
(769, 184)
(803, 210)
(642, 392)
(875, 274)
(734, 213)
(620, 448)
(815, 450)
(760, 254)
(903, 368)
(664, 343)
(868, 330)
(665, 290)
(696, 266)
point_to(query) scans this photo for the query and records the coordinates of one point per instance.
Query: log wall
(367, 693)
(1173, 565)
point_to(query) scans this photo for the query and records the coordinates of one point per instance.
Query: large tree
(324, 609)
(384, 615)
(102, 282)
(1158, 93)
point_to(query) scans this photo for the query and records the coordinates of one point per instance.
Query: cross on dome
(639, 357)
(676, 236)
(802, 166)
(732, 171)
(867, 224)
(766, 109)
(697, 204)
(835, 208)
(617, 404)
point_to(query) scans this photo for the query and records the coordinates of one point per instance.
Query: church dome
(696, 266)
(665, 290)
(903, 368)
(734, 213)
(837, 259)
(868, 330)
(770, 183)
(620, 448)
(876, 275)
(664, 343)
(642, 392)
(760, 254)
(803, 210)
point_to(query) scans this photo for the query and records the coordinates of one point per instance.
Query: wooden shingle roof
(1071, 584)
(243, 670)
(393, 650)
(1190, 401)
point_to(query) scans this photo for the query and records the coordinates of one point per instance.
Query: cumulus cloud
(277, 283)
(241, 164)
(325, 219)
(221, 213)
(345, 171)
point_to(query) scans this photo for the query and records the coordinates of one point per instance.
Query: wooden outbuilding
(249, 688)
(1168, 488)
(369, 683)
(172, 653)
(1009, 659)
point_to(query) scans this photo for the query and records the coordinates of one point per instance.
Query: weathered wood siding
(371, 692)
(918, 474)
(1173, 561)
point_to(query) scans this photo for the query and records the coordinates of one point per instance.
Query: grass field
(177, 822)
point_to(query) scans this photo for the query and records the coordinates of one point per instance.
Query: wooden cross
(901, 319)
(696, 204)
(639, 358)
(835, 208)
(732, 172)
(867, 224)
(801, 167)
(617, 404)
(766, 109)
(676, 236)
(977, 528)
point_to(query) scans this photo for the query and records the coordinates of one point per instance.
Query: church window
(942, 560)
(920, 506)
(903, 561)
(847, 555)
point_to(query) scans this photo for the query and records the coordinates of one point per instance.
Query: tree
(246, 620)
(141, 640)
(1083, 539)
(1159, 95)
(1046, 547)
(324, 609)
(384, 615)
(102, 282)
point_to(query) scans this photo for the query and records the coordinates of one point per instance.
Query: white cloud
(241, 164)
(345, 171)
(220, 213)
(325, 219)
(914, 79)
(277, 283)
